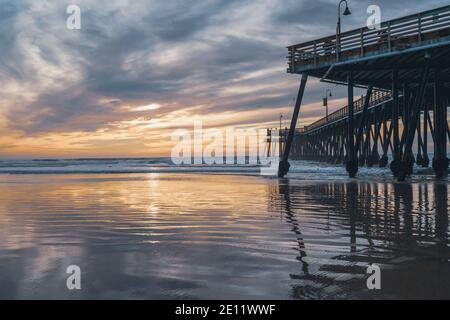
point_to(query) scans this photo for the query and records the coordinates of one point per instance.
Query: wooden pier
(405, 68)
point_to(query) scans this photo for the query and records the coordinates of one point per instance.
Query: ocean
(304, 170)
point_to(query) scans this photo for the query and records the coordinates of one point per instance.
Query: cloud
(148, 107)
(155, 60)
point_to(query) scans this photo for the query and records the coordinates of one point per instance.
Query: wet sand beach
(210, 236)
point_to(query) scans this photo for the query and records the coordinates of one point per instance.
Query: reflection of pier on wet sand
(403, 228)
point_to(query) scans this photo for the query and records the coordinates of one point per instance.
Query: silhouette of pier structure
(405, 68)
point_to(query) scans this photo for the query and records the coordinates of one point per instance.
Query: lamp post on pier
(347, 12)
(325, 101)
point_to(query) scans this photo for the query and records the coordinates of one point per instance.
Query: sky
(138, 70)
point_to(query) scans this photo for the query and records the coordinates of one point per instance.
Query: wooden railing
(376, 98)
(398, 34)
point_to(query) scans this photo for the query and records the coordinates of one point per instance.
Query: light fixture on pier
(325, 100)
(347, 12)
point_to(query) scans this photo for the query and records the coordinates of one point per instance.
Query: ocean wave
(303, 170)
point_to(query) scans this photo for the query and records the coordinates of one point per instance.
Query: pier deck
(372, 54)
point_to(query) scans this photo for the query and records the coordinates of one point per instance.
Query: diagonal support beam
(352, 162)
(430, 124)
(363, 118)
(284, 166)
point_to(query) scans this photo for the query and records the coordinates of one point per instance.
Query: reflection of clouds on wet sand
(217, 236)
(140, 236)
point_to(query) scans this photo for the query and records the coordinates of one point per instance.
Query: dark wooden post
(440, 161)
(384, 158)
(352, 161)
(425, 158)
(284, 166)
(405, 165)
(395, 164)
